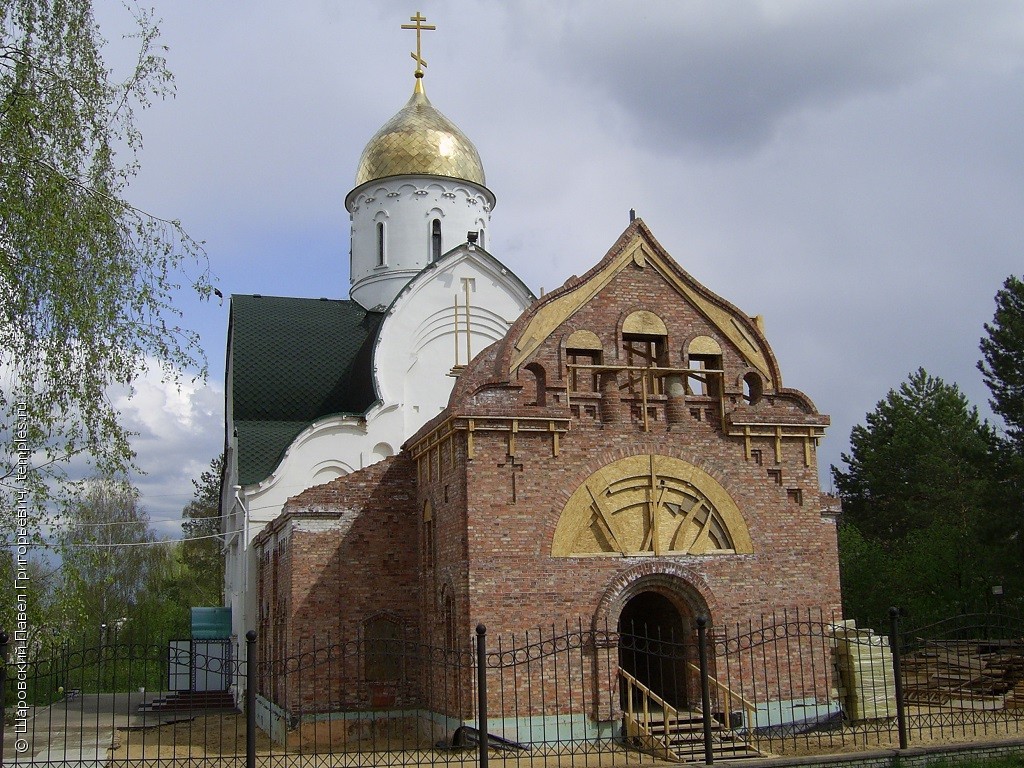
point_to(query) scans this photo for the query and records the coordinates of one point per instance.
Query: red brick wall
(514, 584)
(360, 546)
(348, 553)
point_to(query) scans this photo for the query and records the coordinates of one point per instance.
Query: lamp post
(997, 592)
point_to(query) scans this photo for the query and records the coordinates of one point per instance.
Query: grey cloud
(721, 76)
(854, 171)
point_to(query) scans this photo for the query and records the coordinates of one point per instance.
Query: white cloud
(180, 429)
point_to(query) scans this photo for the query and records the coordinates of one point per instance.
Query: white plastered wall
(407, 206)
(412, 361)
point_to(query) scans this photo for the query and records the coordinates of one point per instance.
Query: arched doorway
(656, 645)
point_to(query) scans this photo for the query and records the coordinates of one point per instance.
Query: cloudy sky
(852, 171)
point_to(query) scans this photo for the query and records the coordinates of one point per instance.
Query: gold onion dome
(417, 141)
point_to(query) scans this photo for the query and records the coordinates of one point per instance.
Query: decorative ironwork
(774, 684)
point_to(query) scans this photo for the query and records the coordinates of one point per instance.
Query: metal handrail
(669, 713)
(728, 695)
(647, 693)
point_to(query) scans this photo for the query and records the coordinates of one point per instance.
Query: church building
(445, 449)
(319, 388)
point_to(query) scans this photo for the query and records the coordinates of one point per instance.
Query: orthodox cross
(419, 26)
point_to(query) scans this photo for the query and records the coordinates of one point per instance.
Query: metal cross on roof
(419, 26)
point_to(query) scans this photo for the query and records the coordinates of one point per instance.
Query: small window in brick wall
(582, 379)
(704, 384)
(383, 644)
(536, 390)
(429, 540)
(752, 388)
(704, 353)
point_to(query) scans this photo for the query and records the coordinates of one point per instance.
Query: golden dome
(420, 140)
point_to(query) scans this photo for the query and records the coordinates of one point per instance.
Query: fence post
(250, 699)
(481, 691)
(4, 639)
(897, 672)
(705, 687)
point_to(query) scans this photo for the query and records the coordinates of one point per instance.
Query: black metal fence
(797, 682)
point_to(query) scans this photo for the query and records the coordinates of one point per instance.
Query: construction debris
(965, 674)
(864, 671)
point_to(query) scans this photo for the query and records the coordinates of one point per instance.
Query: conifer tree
(920, 456)
(201, 549)
(1002, 365)
(917, 506)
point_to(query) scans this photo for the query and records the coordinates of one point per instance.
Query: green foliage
(922, 455)
(866, 578)
(1003, 359)
(34, 578)
(201, 550)
(109, 558)
(87, 279)
(1003, 369)
(162, 610)
(114, 573)
(920, 523)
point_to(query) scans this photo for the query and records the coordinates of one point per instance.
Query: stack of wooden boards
(966, 674)
(864, 672)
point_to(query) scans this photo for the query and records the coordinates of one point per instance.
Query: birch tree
(87, 280)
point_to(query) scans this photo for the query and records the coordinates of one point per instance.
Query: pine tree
(922, 455)
(1002, 365)
(917, 506)
(201, 550)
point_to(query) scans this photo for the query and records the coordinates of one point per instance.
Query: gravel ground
(223, 736)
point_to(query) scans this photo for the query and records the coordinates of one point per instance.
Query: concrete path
(76, 732)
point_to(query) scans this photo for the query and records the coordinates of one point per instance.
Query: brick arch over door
(680, 584)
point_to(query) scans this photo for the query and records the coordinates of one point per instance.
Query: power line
(95, 545)
(74, 524)
(92, 545)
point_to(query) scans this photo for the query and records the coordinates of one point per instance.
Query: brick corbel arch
(677, 582)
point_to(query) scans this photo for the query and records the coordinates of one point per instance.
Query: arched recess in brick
(653, 609)
(382, 647)
(644, 345)
(582, 348)
(753, 388)
(704, 353)
(536, 388)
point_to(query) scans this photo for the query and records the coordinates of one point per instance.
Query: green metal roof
(294, 361)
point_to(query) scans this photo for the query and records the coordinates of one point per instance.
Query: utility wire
(94, 545)
(75, 524)
(91, 545)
